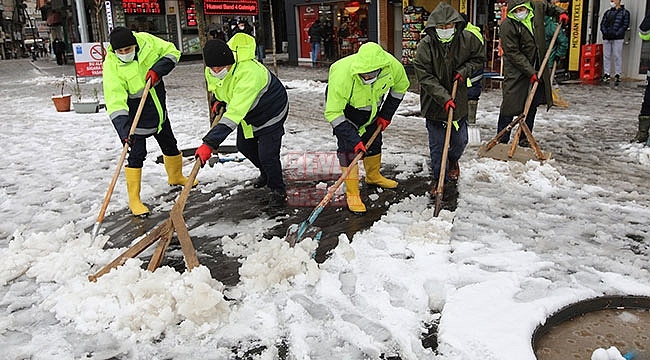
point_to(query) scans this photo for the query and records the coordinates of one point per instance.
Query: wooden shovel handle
(445, 149)
(125, 149)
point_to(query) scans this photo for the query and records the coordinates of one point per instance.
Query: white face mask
(126, 57)
(612, 4)
(221, 74)
(521, 15)
(369, 81)
(370, 77)
(445, 34)
(241, 27)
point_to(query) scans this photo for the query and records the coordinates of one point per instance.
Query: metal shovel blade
(473, 135)
(438, 207)
(296, 233)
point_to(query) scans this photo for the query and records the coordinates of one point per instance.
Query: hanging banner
(88, 58)
(109, 15)
(575, 35)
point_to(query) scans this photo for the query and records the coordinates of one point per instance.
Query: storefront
(176, 20)
(345, 26)
(636, 53)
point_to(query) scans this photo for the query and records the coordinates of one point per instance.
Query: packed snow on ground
(525, 240)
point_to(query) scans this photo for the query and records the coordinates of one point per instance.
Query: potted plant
(62, 101)
(87, 106)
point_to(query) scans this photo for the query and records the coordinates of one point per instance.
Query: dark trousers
(457, 142)
(345, 151)
(165, 139)
(263, 150)
(504, 120)
(645, 105)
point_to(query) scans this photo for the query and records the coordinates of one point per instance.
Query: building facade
(397, 26)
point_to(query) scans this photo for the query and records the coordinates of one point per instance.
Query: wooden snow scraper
(498, 151)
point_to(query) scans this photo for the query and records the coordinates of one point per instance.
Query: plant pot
(62, 103)
(86, 107)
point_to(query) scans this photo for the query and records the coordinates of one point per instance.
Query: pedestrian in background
(315, 33)
(561, 43)
(59, 51)
(328, 41)
(354, 108)
(450, 52)
(245, 27)
(232, 28)
(133, 58)
(614, 24)
(259, 42)
(256, 105)
(523, 40)
(644, 115)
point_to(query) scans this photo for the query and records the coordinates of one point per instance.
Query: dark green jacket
(436, 63)
(561, 43)
(523, 53)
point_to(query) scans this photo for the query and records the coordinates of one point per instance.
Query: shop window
(190, 13)
(352, 31)
(413, 24)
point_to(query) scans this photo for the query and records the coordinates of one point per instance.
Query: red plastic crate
(591, 62)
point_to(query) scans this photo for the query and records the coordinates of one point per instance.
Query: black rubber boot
(277, 203)
(644, 126)
(260, 182)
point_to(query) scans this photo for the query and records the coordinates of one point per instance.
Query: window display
(415, 18)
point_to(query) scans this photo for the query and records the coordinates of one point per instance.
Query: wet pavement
(250, 203)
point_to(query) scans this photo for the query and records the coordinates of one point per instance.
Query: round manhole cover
(575, 331)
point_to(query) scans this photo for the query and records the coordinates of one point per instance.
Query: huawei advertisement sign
(230, 7)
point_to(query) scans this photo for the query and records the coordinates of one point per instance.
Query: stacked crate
(591, 63)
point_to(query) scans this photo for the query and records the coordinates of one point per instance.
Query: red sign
(142, 7)
(307, 15)
(230, 7)
(88, 58)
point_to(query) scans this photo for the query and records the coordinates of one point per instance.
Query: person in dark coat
(613, 25)
(245, 27)
(523, 41)
(450, 52)
(315, 37)
(59, 51)
(259, 42)
(644, 115)
(216, 32)
(232, 28)
(328, 41)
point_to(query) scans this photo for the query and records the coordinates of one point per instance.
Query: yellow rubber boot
(355, 204)
(373, 177)
(133, 177)
(174, 168)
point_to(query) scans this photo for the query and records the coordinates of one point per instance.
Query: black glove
(122, 126)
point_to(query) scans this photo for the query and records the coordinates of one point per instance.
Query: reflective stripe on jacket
(255, 98)
(124, 83)
(349, 99)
